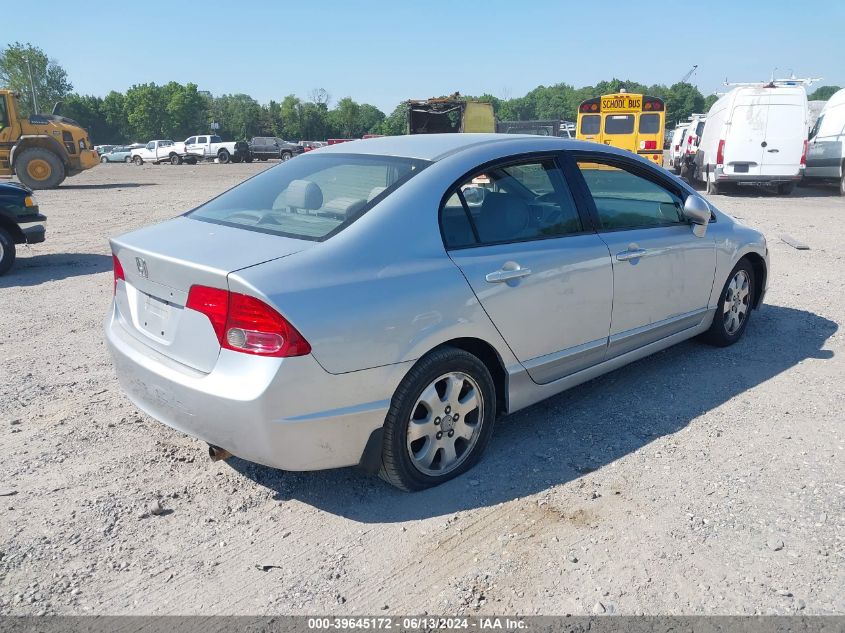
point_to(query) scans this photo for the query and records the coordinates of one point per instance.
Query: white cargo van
(678, 135)
(826, 154)
(689, 145)
(755, 135)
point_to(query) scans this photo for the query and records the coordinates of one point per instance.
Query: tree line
(176, 111)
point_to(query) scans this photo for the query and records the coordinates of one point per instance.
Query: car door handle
(773, 151)
(634, 253)
(504, 275)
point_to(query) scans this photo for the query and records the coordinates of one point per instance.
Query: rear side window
(511, 203)
(311, 198)
(649, 123)
(591, 124)
(619, 124)
(625, 200)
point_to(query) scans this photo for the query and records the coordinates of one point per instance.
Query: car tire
(236, 159)
(175, 159)
(39, 168)
(285, 156)
(103, 159)
(439, 447)
(128, 159)
(138, 160)
(7, 251)
(223, 156)
(711, 187)
(842, 181)
(786, 188)
(191, 161)
(734, 307)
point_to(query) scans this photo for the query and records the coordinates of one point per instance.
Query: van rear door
(743, 152)
(786, 131)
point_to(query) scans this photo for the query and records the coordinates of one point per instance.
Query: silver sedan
(381, 302)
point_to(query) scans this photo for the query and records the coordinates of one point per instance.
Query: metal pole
(32, 87)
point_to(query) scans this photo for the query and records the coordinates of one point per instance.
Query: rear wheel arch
(44, 142)
(488, 355)
(758, 265)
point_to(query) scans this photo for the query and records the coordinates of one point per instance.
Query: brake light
(246, 324)
(677, 147)
(118, 271)
(804, 154)
(650, 145)
(720, 153)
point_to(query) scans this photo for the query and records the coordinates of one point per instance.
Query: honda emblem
(141, 263)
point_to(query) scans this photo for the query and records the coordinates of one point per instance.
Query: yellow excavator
(42, 149)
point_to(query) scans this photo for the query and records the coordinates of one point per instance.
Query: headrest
(503, 216)
(344, 207)
(375, 191)
(303, 194)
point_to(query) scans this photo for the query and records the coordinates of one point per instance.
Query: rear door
(662, 273)
(620, 131)
(744, 141)
(542, 276)
(786, 131)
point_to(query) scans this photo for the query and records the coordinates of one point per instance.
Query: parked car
(755, 135)
(353, 306)
(103, 149)
(209, 147)
(266, 147)
(689, 145)
(826, 153)
(675, 141)
(161, 151)
(117, 154)
(20, 222)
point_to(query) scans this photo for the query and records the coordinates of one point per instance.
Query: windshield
(312, 197)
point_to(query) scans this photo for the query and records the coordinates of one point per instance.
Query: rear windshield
(311, 197)
(619, 124)
(590, 124)
(649, 123)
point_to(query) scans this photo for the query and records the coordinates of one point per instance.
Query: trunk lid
(162, 262)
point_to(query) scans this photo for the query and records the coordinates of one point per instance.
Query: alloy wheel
(445, 423)
(736, 303)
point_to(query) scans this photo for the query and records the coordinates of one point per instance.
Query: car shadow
(111, 185)
(39, 269)
(579, 431)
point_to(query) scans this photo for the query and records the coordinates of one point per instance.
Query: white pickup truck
(161, 151)
(209, 147)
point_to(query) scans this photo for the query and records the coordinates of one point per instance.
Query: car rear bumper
(755, 179)
(287, 413)
(35, 230)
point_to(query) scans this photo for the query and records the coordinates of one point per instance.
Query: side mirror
(697, 211)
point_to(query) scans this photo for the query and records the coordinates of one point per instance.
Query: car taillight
(720, 153)
(246, 324)
(650, 145)
(118, 271)
(804, 154)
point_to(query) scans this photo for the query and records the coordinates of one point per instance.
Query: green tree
(290, 111)
(709, 100)
(395, 123)
(370, 118)
(90, 113)
(19, 62)
(823, 93)
(239, 116)
(186, 109)
(682, 99)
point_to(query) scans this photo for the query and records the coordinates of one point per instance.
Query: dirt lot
(699, 480)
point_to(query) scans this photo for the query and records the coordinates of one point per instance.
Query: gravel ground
(698, 480)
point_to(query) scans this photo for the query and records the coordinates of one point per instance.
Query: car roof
(434, 147)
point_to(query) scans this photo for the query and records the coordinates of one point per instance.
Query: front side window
(625, 200)
(590, 124)
(510, 203)
(312, 198)
(191, 141)
(151, 146)
(619, 124)
(649, 123)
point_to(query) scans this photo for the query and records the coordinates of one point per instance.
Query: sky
(386, 52)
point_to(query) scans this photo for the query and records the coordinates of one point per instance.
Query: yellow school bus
(629, 121)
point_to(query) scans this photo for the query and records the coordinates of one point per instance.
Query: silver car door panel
(547, 368)
(624, 342)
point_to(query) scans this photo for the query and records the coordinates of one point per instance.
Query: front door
(545, 282)
(662, 272)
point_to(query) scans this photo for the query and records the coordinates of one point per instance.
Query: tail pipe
(216, 454)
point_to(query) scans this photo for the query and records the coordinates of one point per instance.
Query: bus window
(590, 124)
(649, 123)
(619, 124)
